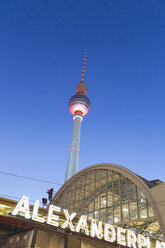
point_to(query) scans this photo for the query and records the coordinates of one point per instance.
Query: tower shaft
(72, 166)
(79, 106)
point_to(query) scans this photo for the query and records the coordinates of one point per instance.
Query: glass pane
(77, 196)
(110, 215)
(150, 212)
(117, 214)
(92, 178)
(96, 203)
(133, 210)
(91, 207)
(87, 178)
(81, 194)
(92, 187)
(142, 208)
(110, 200)
(110, 173)
(103, 185)
(78, 183)
(98, 176)
(86, 191)
(140, 194)
(125, 212)
(90, 216)
(96, 215)
(109, 187)
(131, 191)
(116, 200)
(103, 201)
(103, 173)
(103, 215)
(98, 186)
(82, 179)
(116, 187)
(124, 194)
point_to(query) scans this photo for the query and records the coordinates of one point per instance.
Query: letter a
(23, 207)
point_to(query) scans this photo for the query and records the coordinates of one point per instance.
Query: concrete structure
(79, 106)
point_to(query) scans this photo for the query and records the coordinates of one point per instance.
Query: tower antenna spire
(79, 105)
(83, 69)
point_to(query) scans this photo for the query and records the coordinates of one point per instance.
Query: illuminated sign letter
(82, 224)
(23, 207)
(52, 218)
(96, 230)
(131, 239)
(35, 212)
(120, 238)
(163, 244)
(141, 241)
(68, 220)
(157, 244)
(109, 233)
(148, 242)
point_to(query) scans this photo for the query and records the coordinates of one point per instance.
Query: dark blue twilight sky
(41, 54)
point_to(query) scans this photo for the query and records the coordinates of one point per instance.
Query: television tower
(79, 106)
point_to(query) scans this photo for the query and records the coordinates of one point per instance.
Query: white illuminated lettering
(141, 241)
(124, 237)
(109, 233)
(157, 244)
(52, 218)
(68, 220)
(35, 213)
(96, 230)
(82, 224)
(148, 242)
(163, 244)
(131, 239)
(23, 207)
(120, 238)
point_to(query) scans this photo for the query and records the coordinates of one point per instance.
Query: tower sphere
(79, 104)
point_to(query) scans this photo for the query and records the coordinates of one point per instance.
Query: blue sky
(41, 54)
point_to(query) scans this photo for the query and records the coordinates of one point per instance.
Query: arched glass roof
(111, 197)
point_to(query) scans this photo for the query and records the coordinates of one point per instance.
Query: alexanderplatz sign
(100, 230)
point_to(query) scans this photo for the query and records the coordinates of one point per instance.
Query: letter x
(68, 220)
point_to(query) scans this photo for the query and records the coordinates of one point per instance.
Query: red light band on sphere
(78, 107)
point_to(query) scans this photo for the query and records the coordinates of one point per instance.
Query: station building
(104, 194)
